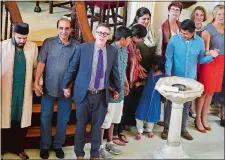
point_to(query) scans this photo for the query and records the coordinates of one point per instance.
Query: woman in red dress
(199, 16)
(211, 74)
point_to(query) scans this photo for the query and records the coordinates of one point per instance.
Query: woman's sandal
(123, 138)
(22, 155)
(138, 137)
(150, 135)
(118, 141)
(161, 123)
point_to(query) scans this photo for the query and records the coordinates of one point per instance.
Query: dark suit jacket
(80, 69)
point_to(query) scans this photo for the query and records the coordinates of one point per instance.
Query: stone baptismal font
(178, 90)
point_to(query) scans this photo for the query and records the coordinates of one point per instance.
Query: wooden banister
(83, 21)
(13, 9)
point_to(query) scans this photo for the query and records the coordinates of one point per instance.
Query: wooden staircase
(81, 32)
(33, 136)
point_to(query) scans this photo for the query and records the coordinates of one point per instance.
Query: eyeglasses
(175, 10)
(104, 34)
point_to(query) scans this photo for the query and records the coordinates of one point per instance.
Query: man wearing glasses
(93, 68)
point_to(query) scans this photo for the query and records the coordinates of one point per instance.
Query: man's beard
(16, 44)
(19, 46)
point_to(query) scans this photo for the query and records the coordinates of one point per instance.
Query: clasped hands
(38, 89)
(214, 53)
(67, 92)
(114, 93)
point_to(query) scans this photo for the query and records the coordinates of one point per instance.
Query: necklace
(198, 29)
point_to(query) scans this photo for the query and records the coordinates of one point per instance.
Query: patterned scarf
(166, 34)
(133, 66)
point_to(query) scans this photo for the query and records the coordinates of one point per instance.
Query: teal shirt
(19, 74)
(182, 56)
(122, 64)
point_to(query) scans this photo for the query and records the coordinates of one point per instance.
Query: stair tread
(39, 43)
(35, 131)
(36, 108)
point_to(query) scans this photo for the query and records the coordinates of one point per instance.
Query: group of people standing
(112, 85)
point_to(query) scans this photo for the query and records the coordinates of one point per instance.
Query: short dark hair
(103, 25)
(159, 61)
(63, 19)
(122, 32)
(175, 4)
(188, 25)
(139, 31)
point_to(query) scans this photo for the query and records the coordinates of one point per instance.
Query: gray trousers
(167, 114)
(93, 109)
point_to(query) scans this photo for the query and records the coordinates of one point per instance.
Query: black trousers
(93, 108)
(129, 108)
(118, 128)
(131, 103)
(13, 139)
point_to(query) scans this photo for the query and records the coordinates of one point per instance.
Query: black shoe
(22, 155)
(59, 153)
(44, 154)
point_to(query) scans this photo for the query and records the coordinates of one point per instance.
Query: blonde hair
(215, 10)
(201, 9)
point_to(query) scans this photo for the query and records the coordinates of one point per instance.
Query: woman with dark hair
(147, 47)
(211, 74)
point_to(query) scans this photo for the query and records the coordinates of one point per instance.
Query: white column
(173, 149)
(134, 6)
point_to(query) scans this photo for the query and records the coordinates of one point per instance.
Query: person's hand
(111, 90)
(126, 90)
(67, 92)
(142, 72)
(126, 84)
(115, 95)
(163, 99)
(38, 89)
(214, 53)
(137, 84)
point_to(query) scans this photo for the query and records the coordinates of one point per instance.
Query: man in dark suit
(94, 68)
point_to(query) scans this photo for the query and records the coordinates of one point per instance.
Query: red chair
(52, 5)
(104, 15)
